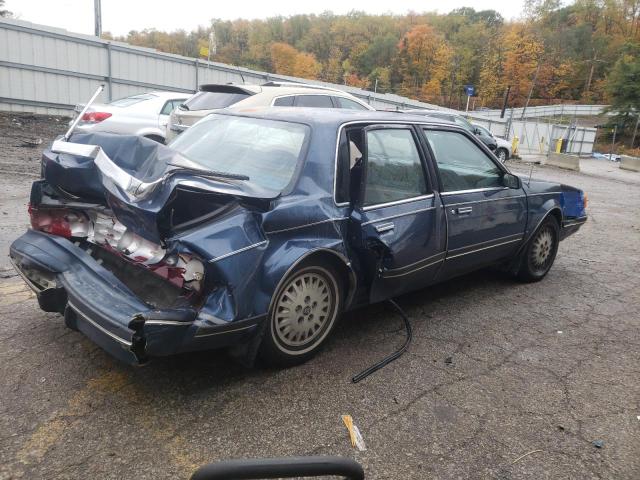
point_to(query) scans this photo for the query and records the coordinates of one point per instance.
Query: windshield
(213, 100)
(266, 151)
(128, 101)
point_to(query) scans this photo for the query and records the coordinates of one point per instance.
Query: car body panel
(259, 237)
(143, 119)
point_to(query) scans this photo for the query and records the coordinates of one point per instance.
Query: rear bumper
(66, 279)
(571, 226)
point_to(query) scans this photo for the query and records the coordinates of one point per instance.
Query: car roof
(265, 93)
(323, 117)
(165, 94)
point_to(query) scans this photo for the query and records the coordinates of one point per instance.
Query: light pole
(97, 8)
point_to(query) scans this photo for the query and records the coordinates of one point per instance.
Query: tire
(303, 313)
(540, 252)
(502, 154)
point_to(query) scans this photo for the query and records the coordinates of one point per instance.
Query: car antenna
(530, 173)
(240, 73)
(82, 112)
(395, 355)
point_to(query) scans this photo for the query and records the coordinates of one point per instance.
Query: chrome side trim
(518, 235)
(484, 200)
(240, 250)
(544, 193)
(574, 221)
(337, 219)
(397, 202)
(485, 248)
(398, 215)
(419, 262)
(167, 322)
(421, 267)
(474, 190)
(29, 283)
(98, 326)
(225, 331)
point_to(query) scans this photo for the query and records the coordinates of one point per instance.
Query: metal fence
(49, 70)
(549, 111)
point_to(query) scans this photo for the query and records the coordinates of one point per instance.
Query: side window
(394, 170)
(342, 102)
(318, 101)
(167, 108)
(461, 163)
(284, 101)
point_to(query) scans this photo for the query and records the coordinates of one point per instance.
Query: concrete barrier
(562, 160)
(630, 163)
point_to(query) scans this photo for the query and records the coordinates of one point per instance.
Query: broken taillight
(60, 222)
(95, 117)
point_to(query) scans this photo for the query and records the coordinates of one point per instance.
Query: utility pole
(635, 130)
(506, 100)
(533, 84)
(97, 7)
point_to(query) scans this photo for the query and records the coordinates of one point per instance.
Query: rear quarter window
(213, 100)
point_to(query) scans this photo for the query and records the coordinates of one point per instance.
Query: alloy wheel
(304, 310)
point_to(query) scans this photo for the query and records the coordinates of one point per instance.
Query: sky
(121, 16)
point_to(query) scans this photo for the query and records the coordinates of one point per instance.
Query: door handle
(462, 210)
(385, 227)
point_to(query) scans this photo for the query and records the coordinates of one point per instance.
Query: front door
(397, 224)
(485, 219)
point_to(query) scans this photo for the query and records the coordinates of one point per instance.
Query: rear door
(486, 220)
(397, 224)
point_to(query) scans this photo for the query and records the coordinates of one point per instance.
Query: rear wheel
(303, 313)
(502, 154)
(540, 252)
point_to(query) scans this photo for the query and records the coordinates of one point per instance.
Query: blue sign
(470, 90)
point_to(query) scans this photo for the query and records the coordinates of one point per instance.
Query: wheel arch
(554, 211)
(340, 262)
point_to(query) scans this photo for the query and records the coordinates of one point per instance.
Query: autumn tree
(523, 54)
(283, 58)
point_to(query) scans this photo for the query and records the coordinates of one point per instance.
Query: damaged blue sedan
(257, 229)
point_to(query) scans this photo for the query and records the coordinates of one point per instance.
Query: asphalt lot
(502, 381)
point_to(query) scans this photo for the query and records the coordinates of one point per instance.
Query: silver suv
(277, 94)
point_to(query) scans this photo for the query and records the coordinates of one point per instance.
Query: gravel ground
(502, 381)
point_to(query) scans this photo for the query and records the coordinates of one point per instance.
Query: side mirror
(477, 131)
(511, 181)
(287, 467)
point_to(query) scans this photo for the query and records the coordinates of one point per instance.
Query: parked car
(488, 140)
(503, 149)
(257, 228)
(145, 115)
(277, 94)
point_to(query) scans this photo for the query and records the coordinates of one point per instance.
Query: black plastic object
(285, 467)
(387, 360)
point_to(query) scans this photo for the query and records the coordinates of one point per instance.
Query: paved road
(497, 370)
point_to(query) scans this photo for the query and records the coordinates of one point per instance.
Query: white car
(503, 150)
(145, 115)
(271, 94)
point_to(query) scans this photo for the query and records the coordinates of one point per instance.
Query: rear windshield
(267, 151)
(213, 100)
(128, 101)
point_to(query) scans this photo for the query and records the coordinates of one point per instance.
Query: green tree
(623, 87)
(3, 12)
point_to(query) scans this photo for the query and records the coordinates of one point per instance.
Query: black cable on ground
(387, 360)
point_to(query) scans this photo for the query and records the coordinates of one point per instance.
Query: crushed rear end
(135, 268)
